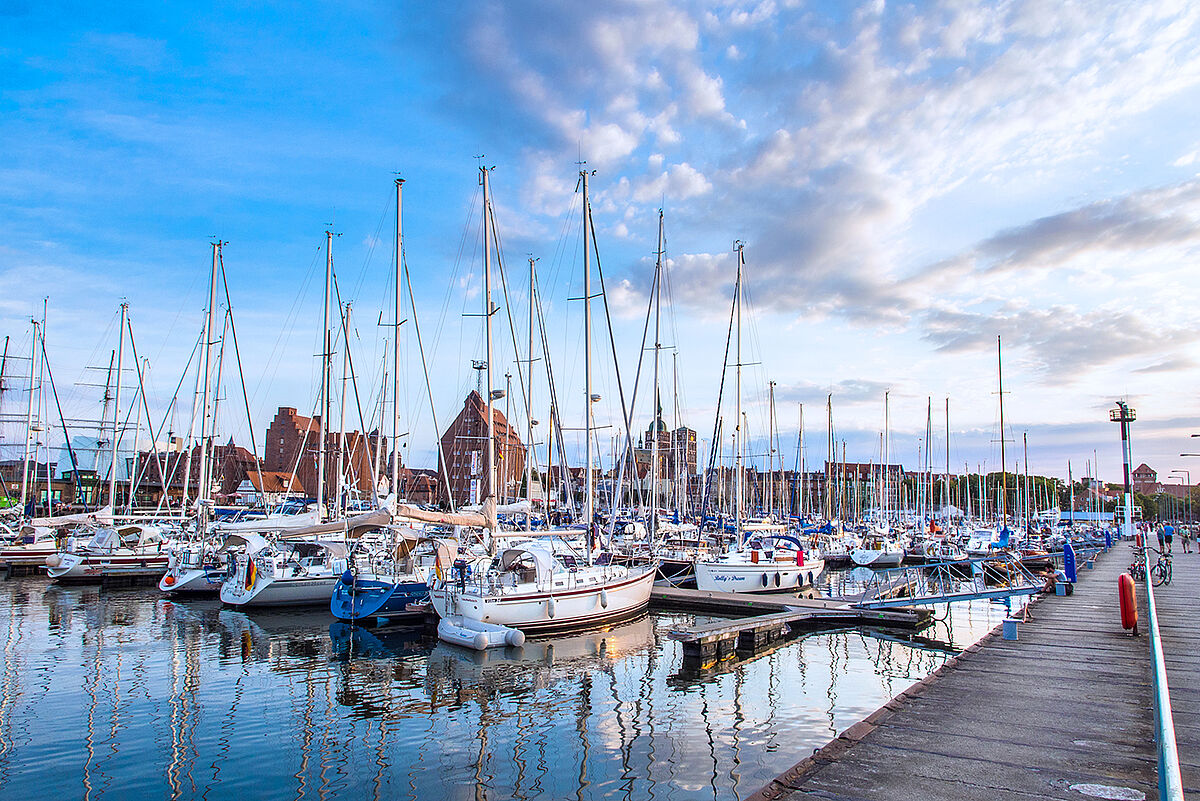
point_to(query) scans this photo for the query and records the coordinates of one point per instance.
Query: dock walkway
(1068, 704)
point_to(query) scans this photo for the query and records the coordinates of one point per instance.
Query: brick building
(292, 444)
(464, 446)
(1145, 480)
(676, 449)
(163, 472)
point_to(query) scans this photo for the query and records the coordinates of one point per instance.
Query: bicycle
(1137, 570)
(1160, 571)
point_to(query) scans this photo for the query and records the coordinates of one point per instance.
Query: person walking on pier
(1168, 533)
(1185, 537)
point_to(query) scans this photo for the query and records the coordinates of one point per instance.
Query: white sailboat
(762, 557)
(134, 550)
(879, 548)
(537, 586)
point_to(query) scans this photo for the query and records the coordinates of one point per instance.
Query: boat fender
(810, 577)
(765, 580)
(603, 599)
(514, 638)
(777, 579)
(550, 607)
(169, 580)
(53, 560)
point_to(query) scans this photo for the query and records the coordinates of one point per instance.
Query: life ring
(251, 574)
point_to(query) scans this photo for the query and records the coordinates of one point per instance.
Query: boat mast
(1003, 461)
(206, 372)
(140, 394)
(738, 431)
(341, 458)
(1025, 446)
(830, 458)
(112, 473)
(800, 456)
(395, 488)
(887, 467)
(681, 499)
(531, 450)
(489, 499)
(654, 456)
(771, 450)
(33, 356)
(588, 508)
(325, 360)
(947, 479)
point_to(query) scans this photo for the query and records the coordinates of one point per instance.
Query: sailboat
(763, 556)
(303, 566)
(878, 548)
(544, 584)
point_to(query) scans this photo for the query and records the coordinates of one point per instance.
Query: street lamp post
(1187, 494)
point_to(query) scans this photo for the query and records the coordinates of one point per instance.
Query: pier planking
(1068, 703)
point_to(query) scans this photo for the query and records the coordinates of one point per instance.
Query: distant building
(293, 443)
(676, 450)
(1145, 480)
(268, 488)
(464, 450)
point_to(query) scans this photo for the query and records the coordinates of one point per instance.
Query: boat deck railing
(1170, 781)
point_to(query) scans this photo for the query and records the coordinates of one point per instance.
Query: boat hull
(367, 599)
(871, 558)
(192, 581)
(300, 591)
(760, 577)
(81, 568)
(547, 612)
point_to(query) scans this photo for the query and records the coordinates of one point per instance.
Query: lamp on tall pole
(1188, 495)
(1125, 415)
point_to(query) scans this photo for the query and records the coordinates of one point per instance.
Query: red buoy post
(1129, 612)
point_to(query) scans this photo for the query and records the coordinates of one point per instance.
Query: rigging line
(374, 243)
(628, 451)
(428, 388)
(555, 415)
(237, 352)
(716, 444)
(289, 323)
(149, 419)
(612, 341)
(354, 383)
(508, 308)
(62, 420)
(440, 328)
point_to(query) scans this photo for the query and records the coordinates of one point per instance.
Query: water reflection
(125, 694)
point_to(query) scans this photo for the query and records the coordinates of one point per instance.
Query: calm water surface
(124, 694)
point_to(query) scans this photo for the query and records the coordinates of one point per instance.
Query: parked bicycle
(1160, 571)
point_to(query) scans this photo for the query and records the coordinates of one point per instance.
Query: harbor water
(124, 694)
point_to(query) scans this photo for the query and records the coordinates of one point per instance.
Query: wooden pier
(1064, 712)
(761, 620)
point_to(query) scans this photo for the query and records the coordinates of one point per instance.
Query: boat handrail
(1170, 782)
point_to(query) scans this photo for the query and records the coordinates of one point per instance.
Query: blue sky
(910, 180)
